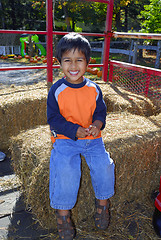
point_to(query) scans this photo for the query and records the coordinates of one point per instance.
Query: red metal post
(49, 29)
(111, 73)
(108, 29)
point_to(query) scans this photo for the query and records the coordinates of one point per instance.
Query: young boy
(76, 113)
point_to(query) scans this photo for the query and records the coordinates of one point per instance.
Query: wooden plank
(136, 35)
(148, 47)
(122, 51)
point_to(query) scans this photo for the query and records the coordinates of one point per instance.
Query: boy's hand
(94, 129)
(81, 133)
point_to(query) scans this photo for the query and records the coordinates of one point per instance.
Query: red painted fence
(138, 79)
(49, 32)
(147, 78)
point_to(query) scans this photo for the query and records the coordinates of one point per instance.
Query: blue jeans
(65, 171)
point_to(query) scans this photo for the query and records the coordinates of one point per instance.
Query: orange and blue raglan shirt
(70, 106)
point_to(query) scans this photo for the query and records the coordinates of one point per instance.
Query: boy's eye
(66, 60)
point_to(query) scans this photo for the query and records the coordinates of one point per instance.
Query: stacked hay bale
(21, 108)
(132, 136)
(134, 143)
(31, 154)
(118, 99)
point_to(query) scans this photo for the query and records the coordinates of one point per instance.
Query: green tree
(125, 14)
(22, 14)
(151, 17)
(2, 15)
(89, 13)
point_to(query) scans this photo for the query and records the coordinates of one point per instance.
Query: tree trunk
(67, 19)
(126, 19)
(13, 15)
(73, 25)
(2, 15)
(118, 22)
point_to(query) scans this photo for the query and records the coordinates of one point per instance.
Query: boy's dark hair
(73, 41)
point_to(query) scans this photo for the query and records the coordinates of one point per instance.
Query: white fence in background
(7, 50)
(98, 47)
(154, 48)
(131, 52)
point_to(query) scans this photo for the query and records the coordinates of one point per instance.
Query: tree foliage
(22, 14)
(126, 14)
(89, 13)
(152, 17)
(71, 14)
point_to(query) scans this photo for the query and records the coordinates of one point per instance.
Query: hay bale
(29, 149)
(24, 107)
(135, 145)
(31, 165)
(37, 196)
(119, 99)
(20, 109)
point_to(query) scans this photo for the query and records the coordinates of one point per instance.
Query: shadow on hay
(21, 91)
(147, 110)
(154, 122)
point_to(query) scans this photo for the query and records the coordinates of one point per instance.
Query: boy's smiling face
(74, 65)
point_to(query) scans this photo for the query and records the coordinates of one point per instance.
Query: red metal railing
(136, 78)
(108, 29)
(49, 32)
(148, 72)
(133, 67)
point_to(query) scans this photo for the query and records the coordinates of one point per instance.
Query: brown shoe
(66, 228)
(102, 216)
